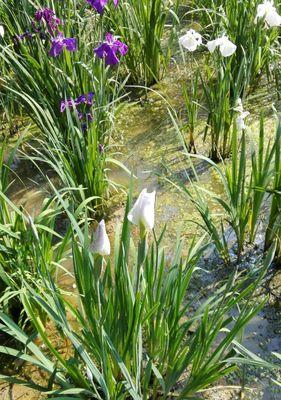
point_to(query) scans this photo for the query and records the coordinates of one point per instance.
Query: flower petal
(143, 211)
(101, 243)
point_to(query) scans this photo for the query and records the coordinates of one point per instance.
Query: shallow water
(149, 145)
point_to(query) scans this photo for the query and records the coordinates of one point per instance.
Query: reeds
(221, 93)
(23, 256)
(135, 331)
(239, 21)
(244, 187)
(273, 231)
(142, 24)
(75, 142)
(135, 323)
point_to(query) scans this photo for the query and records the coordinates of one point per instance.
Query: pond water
(149, 144)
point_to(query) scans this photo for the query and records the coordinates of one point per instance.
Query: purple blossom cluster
(99, 5)
(60, 42)
(110, 48)
(45, 24)
(48, 17)
(71, 103)
(19, 38)
(87, 118)
(86, 99)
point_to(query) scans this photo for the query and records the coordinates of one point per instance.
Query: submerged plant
(135, 333)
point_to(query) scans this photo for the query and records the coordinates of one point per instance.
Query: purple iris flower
(49, 16)
(19, 38)
(69, 103)
(85, 117)
(83, 99)
(99, 5)
(89, 117)
(35, 27)
(80, 115)
(110, 48)
(59, 42)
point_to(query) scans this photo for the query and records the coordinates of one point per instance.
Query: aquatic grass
(227, 77)
(21, 258)
(216, 230)
(75, 141)
(263, 160)
(79, 163)
(238, 191)
(273, 231)
(82, 165)
(134, 332)
(238, 20)
(242, 204)
(146, 26)
(244, 185)
(191, 99)
(254, 41)
(211, 223)
(221, 93)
